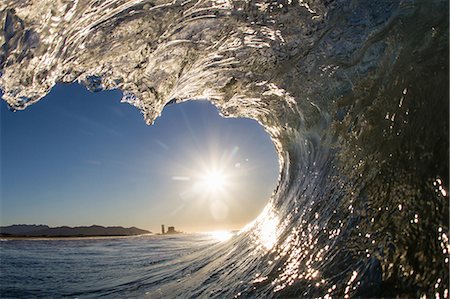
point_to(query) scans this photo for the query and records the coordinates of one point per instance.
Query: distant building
(170, 230)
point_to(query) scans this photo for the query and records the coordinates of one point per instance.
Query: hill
(25, 230)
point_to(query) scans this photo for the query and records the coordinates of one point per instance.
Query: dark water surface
(91, 267)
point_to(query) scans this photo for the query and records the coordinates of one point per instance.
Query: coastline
(42, 238)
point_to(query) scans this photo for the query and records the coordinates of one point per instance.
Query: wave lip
(353, 94)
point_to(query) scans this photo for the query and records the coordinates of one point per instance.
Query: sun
(213, 180)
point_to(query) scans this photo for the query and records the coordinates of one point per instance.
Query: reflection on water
(265, 235)
(221, 235)
(268, 232)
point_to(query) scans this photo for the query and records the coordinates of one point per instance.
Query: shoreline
(71, 237)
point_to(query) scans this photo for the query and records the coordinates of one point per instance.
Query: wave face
(354, 95)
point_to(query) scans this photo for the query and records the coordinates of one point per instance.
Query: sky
(80, 158)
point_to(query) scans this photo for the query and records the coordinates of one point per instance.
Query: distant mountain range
(25, 230)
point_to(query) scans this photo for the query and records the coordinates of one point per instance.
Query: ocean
(354, 96)
(109, 267)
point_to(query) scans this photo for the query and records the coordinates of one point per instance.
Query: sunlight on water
(221, 235)
(268, 232)
(265, 235)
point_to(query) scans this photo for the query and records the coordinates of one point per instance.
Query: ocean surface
(354, 95)
(121, 267)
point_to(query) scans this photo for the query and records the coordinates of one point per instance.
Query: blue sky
(82, 158)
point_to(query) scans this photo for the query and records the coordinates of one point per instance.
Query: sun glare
(213, 181)
(221, 236)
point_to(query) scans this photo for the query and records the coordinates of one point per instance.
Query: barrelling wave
(354, 95)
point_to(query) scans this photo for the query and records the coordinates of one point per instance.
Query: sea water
(115, 267)
(354, 95)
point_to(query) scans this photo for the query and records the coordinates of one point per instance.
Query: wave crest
(342, 87)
